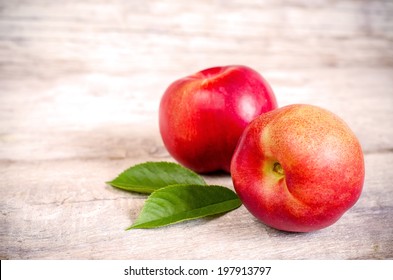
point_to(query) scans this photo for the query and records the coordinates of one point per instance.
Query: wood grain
(80, 85)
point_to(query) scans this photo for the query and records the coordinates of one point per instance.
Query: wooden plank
(84, 37)
(95, 105)
(56, 210)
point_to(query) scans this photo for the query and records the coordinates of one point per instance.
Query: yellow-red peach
(298, 168)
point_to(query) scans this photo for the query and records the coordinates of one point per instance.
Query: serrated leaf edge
(134, 188)
(236, 203)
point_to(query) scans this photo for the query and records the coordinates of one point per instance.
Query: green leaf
(150, 176)
(178, 203)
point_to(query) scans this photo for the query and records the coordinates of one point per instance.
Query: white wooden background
(80, 84)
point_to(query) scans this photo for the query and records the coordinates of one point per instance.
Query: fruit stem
(278, 168)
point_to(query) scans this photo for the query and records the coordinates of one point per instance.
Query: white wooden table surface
(80, 84)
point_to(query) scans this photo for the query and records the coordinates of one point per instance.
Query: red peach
(202, 116)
